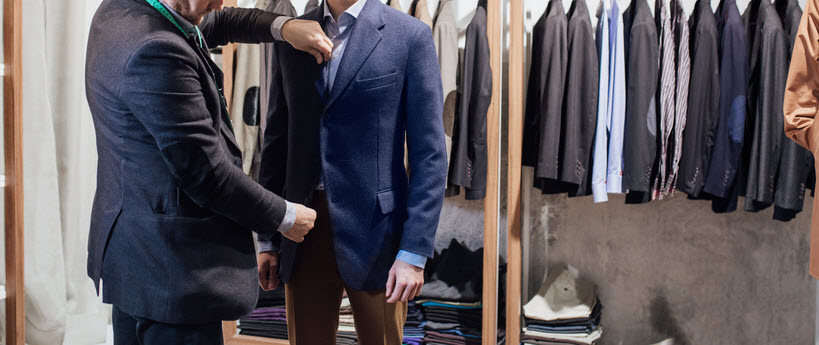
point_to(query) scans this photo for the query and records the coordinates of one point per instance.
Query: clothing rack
(13, 148)
(494, 11)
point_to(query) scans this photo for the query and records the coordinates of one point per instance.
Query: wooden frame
(515, 142)
(491, 203)
(13, 141)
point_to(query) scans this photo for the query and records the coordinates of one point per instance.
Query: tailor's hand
(307, 36)
(405, 282)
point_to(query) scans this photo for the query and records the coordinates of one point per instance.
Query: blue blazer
(388, 87)
(173, 212)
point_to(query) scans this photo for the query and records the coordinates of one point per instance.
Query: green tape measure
(165, 13)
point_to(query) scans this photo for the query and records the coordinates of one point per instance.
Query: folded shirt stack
(566, 310)
(414, 327)
(268, 319)
(346, 325)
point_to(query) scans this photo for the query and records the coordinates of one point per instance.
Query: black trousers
(130, 330)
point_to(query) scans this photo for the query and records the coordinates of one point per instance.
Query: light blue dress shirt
(601, 137)
(616, 117)
(339, 32)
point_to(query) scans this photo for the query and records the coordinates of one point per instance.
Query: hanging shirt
(681, 39)
(668, 82)
(703, 101)
(601, 135)
(616, 113)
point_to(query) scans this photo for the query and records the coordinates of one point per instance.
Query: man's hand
(307, 36)
(268, 270)
(305, 220)
(405, 282)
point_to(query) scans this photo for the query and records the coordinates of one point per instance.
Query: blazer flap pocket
(374, 83)
(386, 200)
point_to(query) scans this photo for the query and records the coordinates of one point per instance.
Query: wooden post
(515, 137)
(13, 141)
(494, 30)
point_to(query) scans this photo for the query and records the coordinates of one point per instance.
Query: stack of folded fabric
(566, 310)
(346, 325)
(268, 319)
(451, 298)
(414, 327)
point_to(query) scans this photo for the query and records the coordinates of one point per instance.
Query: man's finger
(399, 290)
(272, 280)
(408, 292)
(317, 55)
(390, 283)
(324, 47)
(263, 274)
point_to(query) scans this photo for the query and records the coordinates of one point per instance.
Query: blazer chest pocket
(377, 82)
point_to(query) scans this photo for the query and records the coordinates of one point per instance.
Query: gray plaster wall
(672, 268)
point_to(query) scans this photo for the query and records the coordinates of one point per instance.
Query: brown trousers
(314, 295)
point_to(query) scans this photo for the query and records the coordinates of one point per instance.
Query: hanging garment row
(693, 104)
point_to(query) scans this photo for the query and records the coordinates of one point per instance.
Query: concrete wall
(673, 268)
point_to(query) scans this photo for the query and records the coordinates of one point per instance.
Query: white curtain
(59, 162)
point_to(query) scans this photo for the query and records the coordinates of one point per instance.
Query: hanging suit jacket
(544, 103)
(579, 103)
(445, 33)
(467, 167)
(642, 49)
(768, 73)
(173, 209)
(420, 11)
(801, 104)
(796, 163)
(703, 101)
(387, 86)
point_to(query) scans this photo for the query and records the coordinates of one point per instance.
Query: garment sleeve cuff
(614, 183)
(289, 218)
(276, 28)
(412, 258)
(599, 191)
(267, 246)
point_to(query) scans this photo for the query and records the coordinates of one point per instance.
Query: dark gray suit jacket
(468, 163)
(173, 212)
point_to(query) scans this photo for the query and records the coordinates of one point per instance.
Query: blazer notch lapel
(364, 37)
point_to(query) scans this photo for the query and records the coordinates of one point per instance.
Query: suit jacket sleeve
(425, 144)
(171, 106)
(238, 25)
(802, 90)
(640, 145)
(272, 174)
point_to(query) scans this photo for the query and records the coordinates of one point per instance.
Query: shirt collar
(353, 10)
(184, 23)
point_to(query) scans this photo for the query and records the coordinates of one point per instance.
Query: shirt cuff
(289, 218)
(276, 28)
(267, 246)
(614, 182)
(412, 258)
(599, 192)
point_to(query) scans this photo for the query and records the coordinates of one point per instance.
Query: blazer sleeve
(802, 89)
(162, 88)
(426, 146)
(238, 25)
(724, 165)
(272, 172)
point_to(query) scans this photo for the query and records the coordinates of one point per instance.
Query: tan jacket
(802, 102)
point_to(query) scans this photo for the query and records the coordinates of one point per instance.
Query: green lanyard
(165, 13)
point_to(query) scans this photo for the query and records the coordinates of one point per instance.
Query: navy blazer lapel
(363, 39)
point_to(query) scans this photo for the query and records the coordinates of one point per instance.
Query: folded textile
(582, 339)
(449, 303)
(467, 306)
(563, 295)
(592, 320)
(457, 274)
